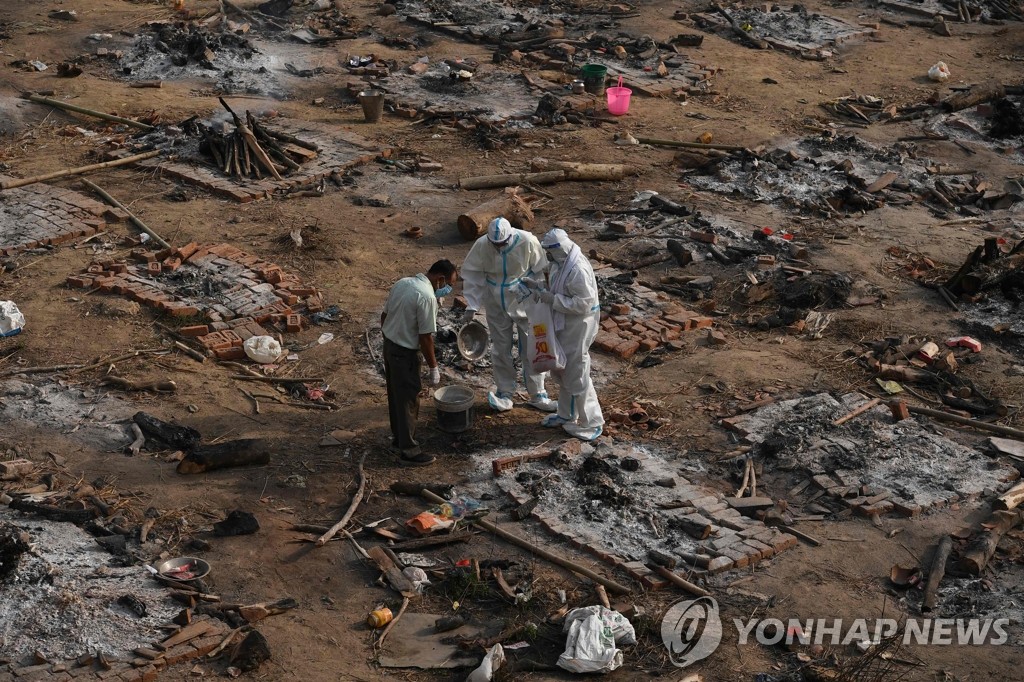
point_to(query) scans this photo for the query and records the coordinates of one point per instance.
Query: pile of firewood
(253, 150)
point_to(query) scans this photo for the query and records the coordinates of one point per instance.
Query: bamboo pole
(131, 216)
(492, 181)
(542, 553)
(957, 419)
(690, 145)
(39, 99)
(21, 182)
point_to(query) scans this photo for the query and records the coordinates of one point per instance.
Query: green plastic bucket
(594, 76)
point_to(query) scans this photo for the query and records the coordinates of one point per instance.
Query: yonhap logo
(691, 630)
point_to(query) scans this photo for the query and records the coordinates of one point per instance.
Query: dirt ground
(359, 251)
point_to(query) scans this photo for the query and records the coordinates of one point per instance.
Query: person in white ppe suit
(572, 295)
(491, 273)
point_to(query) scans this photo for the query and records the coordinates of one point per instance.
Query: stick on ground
(356, 499)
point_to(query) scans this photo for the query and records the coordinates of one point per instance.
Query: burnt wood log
(430, 541)
(980, 551)
(48, 511)
(13, 543)
(935, 573)
(1010, 499)
(171, 435)
(412, 489)
(251, 652)
(233, 453)
(974, 97)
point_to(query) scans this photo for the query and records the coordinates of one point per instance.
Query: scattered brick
(195, 330)
(154, 269)
(704, 237)
(230, 353)
(619, 309)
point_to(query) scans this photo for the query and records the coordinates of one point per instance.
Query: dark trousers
(402, 372)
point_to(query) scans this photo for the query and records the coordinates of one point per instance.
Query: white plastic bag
(262, 349)
(590, 646)
(492, 661)
(939, 73)
(542, 347)
(11, 319)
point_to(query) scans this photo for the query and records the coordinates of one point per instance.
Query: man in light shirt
(408, 324)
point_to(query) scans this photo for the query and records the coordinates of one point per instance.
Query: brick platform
(234, 291)
(625, 332)
(338, 150)
(39, 214)
(735, 541)
(116, 670)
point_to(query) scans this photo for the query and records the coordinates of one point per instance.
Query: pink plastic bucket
(618, 99)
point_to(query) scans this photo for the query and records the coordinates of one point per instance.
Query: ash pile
(88, 416)
(843, 174)
(998, 124)
(63, 596)
(619, 501)
(795, 29)
(869, 465)
(486, 20)
(183, 50)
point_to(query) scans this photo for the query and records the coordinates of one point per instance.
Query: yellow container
(379, 618)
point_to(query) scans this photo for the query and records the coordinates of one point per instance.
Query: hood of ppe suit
(499, 230)
(557, 243)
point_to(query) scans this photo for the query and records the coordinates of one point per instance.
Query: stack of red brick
(624, 335)
(260, 292)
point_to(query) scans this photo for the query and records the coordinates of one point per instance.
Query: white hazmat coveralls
(577, 315)
(490, 277)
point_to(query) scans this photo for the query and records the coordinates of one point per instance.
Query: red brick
(118, 268)
(288, 297)
(648, 344)
(619, 309)
(293, 324)
(153, 269)
(95, 270)
(606, 342)
(608, 324)
(214, 340)
(182, 310)
(186, 252)
(627, 349)
(231, 337)
(272, 275)
(79, 282)
(702, 322)
(704, 237)
(302, 290)
(171, 264)
(230, 353)
(195, 330)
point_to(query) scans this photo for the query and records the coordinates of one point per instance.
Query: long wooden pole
(492, 181)
(957, 419)
(679, 581)
(857, 411)
(356, 499)
(39, 99)
(131, 216)
(534, 549)
(21, 182)
(689, 145)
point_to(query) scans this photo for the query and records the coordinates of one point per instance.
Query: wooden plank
(391, 572)
(882, 182)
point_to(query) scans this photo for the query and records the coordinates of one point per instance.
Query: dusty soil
(359, 251)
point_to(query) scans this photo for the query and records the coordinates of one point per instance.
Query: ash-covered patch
(182, 52)
(987, 598)
(62, 598)
(607, 495)
(820, 174)
(492, 94)
(488, 19)
(88, 416)
(903, 457)
(998, 125)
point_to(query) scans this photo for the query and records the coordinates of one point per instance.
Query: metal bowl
(473, 341)
(198, 568)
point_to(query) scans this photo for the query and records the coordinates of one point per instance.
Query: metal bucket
(454, 408)
(373, 105)
(473, 340)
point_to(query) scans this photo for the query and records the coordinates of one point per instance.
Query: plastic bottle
(379, 618)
